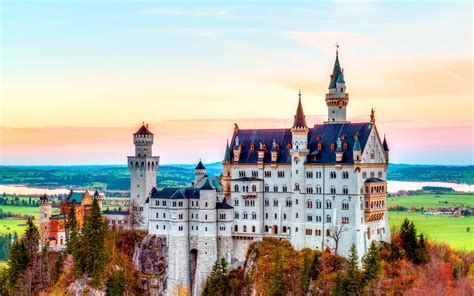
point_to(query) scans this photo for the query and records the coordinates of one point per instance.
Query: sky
(77, 78)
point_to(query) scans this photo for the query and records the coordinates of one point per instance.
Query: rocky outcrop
(80, 287)
(151, 259)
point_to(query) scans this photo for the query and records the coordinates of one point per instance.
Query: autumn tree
(135, 217)
(305, 273)
(116, 284)
(336, 233)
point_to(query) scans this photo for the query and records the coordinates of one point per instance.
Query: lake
(393, 186)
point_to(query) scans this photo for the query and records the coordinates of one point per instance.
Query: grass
(31, 211)
(12, 225)
(431, 200)
(450, 230)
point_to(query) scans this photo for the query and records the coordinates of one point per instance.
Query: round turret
(143, 140)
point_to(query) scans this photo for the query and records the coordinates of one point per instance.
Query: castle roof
(223, 205)
(112, 213)
(340, 78)
(227, 157)
(335, 73)
(374, 180)
(385, 145)
(75, 197)
(207, 185)
(300, 120)
(324, 134)
(200, 166)
(143, 130)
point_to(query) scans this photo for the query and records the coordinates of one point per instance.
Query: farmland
(432, 200)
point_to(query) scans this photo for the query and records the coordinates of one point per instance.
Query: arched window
(236, 215)
(275, 202)
(275, 188)
(254, 216)
(245, 228)
(253, 228)
(309, 189)
(309, 204)
(266, 228)
(236, 228)
(328, 219)
(288, 202)
(333, 190)
(328, 204)
(266, 202)
(236, 188)
(345, 190)
(284, 229)
(318, 189)
(332, 175)
(328, 232)
(345, 205)
(245, 215)
(318, 204)
(254, 188)
(297, 186)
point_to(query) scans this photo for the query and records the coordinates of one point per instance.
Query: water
(23, 190)
(394, 186)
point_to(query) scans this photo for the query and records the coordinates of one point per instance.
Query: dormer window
(252, 147)
(333, 146)
(264, 146)
(289, 146)
(345, 146)
(320, 147)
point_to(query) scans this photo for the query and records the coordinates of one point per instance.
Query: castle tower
(143, 167)
(207, 240)
(44, 215)
(299, 151)
(337, 99)
(226, 177)
(199, 172)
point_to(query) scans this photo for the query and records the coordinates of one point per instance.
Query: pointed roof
(207, 185)
(227, 157)
(340, 78)
(357, 143)
(300, 120)
(385, 145)
(200, 166)
(335, 72)
(143, 130)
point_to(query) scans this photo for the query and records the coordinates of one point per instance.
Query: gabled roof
(385, 145)
(200, 166)
(223, 205)
(327, 134)
(143, 130)
(75, 197)
(207, 185)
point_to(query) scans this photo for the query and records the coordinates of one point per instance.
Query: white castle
(318, 187)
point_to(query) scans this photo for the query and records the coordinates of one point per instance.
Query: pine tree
(371, 264)
(339, 286)
(422, 255)
(352, 277)
(305, 274)
(408, 236)
(74, 241)
(217, 283)
(18, 261)
(93, 246)
(116, 284)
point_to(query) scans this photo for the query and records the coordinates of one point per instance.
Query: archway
(193, 264)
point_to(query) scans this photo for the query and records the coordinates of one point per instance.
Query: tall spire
(385, 144)
(336, 70)
(227, 153)
(300, 120)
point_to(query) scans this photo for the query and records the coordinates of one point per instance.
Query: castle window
(245, 228)
(254, 188)
(206, 204)
(266, 202)
(309, 189)
(328, 219)
(236, 202)
(309, 231)
(245, 215)
(309, 218)
(236, 228)
(297, 186)
(288, 202)
(276, 216)
(317, 232)
(345, 175)
(345, 190)
(328, 232)
(284, 229)
(333, 146)
(157, 215)
(309, 174)
(205, 217)
(318, 219)
(275, 188)
(320, 146)
(328, 204)
(255, 174)
(254, 215)
(266, 228)
(236, 215)
(318, 189)
(332, 175)
(364, 175)
(164, 215)
(309, 204)
(180, 216)
(333, 190)
(268, 174)
(345, 205)
(372, 174)
(380, 174)
(267, 188)
(284, 216)
(285, 189)
(253, 228)
(318, 204)
(241, 174)
(281, 174)
(164, 203)
(275, 202)
(266, 215)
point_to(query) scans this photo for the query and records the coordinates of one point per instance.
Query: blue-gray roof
(112, 212)
(324, 134)
(75, 197)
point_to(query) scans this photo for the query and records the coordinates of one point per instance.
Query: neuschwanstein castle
(317, 187)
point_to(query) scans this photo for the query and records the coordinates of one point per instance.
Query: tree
(18, 261)
(371, 264)
(116, 284)
(352, 277)
(422, 255)
(74, 240)
(276, 285)
(217, 283)
(336, 234)
(93, 246)
(305, 274)
(339, 286)
(408, 237)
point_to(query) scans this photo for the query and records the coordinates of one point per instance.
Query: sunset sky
(79, 77)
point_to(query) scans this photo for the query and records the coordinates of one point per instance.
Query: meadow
(450, 230)
(433, 200)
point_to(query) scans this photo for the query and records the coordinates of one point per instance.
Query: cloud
(197, 12)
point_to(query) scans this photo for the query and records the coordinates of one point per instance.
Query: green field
(31, 211)
(450, 230)
(431, 200)
(12, 225)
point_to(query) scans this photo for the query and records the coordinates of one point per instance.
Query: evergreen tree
(339, 286)
(305, 274)
(74, 241)
(93, 246)
(422, 255)
(371, 264)
(217, 282)
(352, 277)
(408, 236)
(18, 261)
(315, 265)
(116, 284)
